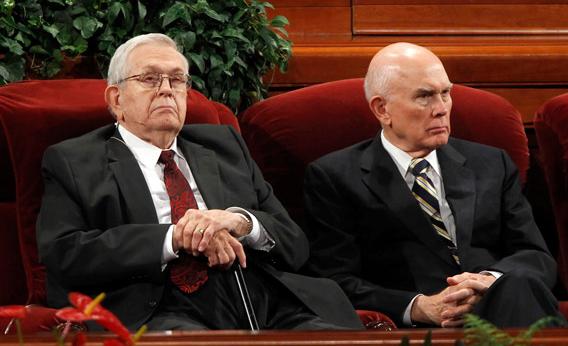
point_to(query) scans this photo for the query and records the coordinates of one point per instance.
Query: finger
(188, 231)
(456, 279)
(239, 251)
(474, 284)
(452, 323)
(205, 238)
(458, 296)
(198, 235)
(456, 312)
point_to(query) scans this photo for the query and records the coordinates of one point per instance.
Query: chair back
(551, 127)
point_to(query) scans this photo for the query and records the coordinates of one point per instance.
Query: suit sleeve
(522, 243)
(75, 250)
(334, 250)
(291, 248)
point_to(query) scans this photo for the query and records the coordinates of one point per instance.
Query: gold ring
(201, 231)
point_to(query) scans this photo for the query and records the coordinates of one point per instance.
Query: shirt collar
(145, 153)
(402, 159)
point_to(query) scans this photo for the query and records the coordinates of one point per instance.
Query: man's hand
(223, 249)
(196, 228)
(447, 308)
(470, 289)
(429, 309)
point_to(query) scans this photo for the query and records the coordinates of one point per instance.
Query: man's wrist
(244, 228)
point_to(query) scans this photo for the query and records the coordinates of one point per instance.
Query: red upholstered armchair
(34, 115)
(551, 126)
(286, 132)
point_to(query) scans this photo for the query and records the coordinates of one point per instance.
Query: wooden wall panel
(459, 19)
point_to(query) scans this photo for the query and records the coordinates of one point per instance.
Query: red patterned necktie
(186, 272)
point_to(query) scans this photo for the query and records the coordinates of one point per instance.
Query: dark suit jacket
(98, 231)
(369, 234)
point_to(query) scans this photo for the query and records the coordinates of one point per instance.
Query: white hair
(378, 80)
(117, 68)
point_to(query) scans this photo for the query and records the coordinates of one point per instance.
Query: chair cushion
(36, 114)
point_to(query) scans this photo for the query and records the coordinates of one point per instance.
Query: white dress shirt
(147, 156)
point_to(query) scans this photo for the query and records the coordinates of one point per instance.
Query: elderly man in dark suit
(420, 225)
(153, 213)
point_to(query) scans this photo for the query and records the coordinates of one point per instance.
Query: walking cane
(243, 291)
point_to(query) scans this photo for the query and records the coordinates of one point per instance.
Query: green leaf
(186, 40)
(52, 29)
(114, 10)
(177, 11)
(4, 73)
(215, 61)
(13, 46)
(236, 33)
(141, 10)
(279, 21)
(86, 25)
(37, 49)
(197, 59)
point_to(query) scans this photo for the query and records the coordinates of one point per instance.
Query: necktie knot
(167, 156)
(419, 165)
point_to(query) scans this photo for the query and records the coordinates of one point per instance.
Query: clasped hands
(212, 233)
(447, 308)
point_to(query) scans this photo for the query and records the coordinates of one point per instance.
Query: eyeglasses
(151, 80)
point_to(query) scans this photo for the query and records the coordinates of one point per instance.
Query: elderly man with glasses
(154, 213)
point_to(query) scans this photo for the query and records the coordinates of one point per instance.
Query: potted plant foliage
(231, 44)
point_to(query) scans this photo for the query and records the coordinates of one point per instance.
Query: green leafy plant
(231, 44)
(481, 332)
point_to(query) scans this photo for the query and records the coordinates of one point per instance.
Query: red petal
(79, 300)
(13, 311)
(72, 314)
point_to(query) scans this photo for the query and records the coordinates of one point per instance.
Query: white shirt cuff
(168, 253)
(406, 320)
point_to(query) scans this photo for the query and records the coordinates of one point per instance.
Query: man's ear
(378, 107)
(112, 99)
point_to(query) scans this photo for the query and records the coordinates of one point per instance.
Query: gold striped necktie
(425, 193)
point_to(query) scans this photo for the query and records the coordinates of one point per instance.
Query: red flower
(13, 311)
(87, 309)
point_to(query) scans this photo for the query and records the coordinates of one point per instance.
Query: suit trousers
(518, 300)
(218, 305)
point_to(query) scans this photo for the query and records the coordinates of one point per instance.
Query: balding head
(395, 61)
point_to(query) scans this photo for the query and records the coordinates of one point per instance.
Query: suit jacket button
(152, 303)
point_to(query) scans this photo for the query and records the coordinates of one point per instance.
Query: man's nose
(165, 86)
(439, 106)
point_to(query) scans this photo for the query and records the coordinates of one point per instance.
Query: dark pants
(517, 300)
(218, 305)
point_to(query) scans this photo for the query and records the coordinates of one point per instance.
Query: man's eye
(150, 79)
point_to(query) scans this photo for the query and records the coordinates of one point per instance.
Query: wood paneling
(459, 18)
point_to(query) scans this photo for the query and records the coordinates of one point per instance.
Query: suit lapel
(459, 186)
(383, 179)
(131, 182)
(205, 170)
